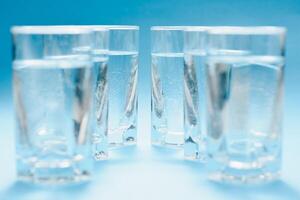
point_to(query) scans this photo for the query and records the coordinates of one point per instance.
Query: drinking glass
(167, 86)
(195, 47)
(244, 70)
(100, 39)
(122, 73)
(52, 88)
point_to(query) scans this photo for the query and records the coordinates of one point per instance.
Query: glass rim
(197, 28)
(168, 28)
(89, 27)
(118, 27)
(247, 30)
(49, 30)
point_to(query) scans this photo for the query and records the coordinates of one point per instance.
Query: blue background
(143, 172)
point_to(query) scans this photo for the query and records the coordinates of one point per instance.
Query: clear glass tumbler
(52, 83)
(122, 83)
(195, 47)
(244, 103)
(100, 39)
(167, 86)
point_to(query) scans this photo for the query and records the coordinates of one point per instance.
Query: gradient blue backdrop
(146, 13)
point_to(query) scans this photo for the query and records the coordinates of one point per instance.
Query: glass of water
(122, 74)
(195, 47)
(244, 70)
(100, 39)
(167, 86)
(52, 83)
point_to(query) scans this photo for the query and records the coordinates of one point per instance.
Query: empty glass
(195, 46)
(122, 82)
(53, 85)
(244, 70)
(167, 86)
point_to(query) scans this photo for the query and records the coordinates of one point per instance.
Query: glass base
(55, 180)
(194, 149)
(54, 171)
(169, 139)
(262, 170)
(101, 155)
(196, 157)
(100, 147)
(123, 136)
(244, 179)
(114, 144)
